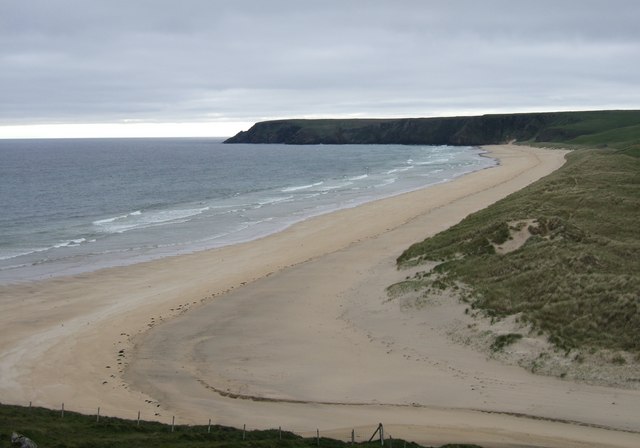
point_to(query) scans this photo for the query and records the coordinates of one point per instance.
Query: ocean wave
(363, 176)
(431, 173)
(301, 187)
(116, 218)
(233, 206)
(70, 243)
(438, 161)
(273, 200)
(386, 182)
(399, 170)
(311, 195)
(8, 254)
(16, 253)
(335, 187)
(14, 266)
(142, 220)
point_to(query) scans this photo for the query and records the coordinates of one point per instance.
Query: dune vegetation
(574, 276)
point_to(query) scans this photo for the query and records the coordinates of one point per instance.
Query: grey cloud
(78, 61)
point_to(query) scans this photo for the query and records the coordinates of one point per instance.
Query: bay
(77, 205)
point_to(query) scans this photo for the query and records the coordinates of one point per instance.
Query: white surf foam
(116, 218)
(399, 170)
(438, 161)
(141, 220)
(8, 254)
(335, 187)
(386, 182)
(301, 187)
(70, 243)
(273, 200)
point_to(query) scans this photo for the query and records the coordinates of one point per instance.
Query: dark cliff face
(479, 130)
(486, 129)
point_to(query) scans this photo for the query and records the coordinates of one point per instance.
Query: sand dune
(295, 330)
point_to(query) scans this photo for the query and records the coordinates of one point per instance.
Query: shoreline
(93, 250)
(81, 340)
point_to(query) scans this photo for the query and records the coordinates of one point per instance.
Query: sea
(70, 206)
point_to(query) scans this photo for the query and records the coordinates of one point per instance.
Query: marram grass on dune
(576, 278)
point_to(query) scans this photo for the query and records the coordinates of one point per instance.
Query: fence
(353, 437)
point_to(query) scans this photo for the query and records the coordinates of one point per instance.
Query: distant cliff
(479, 130)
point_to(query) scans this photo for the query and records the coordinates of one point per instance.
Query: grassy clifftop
(618, 129)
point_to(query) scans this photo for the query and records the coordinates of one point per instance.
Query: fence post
(62, 411)
(209, 427)
(353, 436)
(317, 437)
(29, 405)
(173, 422)
(378, 430)
(138, 421)
(280, 432)
(244, 430)
(381, 435)
(98, 415)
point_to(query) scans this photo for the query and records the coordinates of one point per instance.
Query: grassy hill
(48, 429)
(617, 129)
(577, 276)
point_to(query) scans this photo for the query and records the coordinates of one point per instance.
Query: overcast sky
(207, 61)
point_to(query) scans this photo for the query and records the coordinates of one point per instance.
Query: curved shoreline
(42, 269)
(59, 336)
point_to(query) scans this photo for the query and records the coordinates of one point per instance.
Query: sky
(78, 68)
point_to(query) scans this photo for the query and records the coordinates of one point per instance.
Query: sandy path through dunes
(299, 333)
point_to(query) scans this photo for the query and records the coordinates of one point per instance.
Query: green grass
(578, 279)
(503, 340)
(619, 130)
(48, 429)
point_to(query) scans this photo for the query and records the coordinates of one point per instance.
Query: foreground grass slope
(48, 429)
(577, 277)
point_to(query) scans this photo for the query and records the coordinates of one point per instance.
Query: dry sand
(300, 322)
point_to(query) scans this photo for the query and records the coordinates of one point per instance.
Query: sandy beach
(296, 330)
